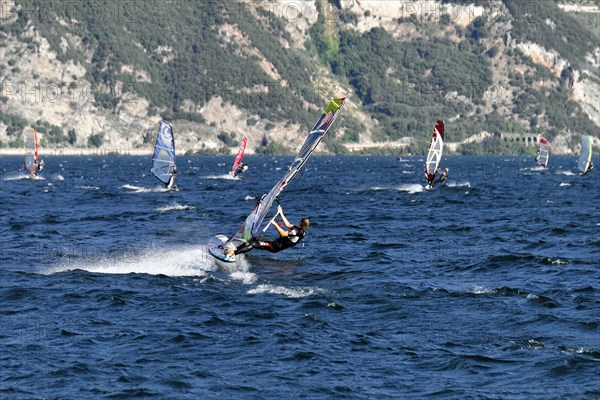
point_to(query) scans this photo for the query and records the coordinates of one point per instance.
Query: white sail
(253, 222)
(436, 148)
(544, 153)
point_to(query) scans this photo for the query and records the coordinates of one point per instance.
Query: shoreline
(10, 151)
(81, 152)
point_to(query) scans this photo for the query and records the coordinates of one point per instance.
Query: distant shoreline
(78, 152)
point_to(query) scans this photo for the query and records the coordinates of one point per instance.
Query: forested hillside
(101, 74)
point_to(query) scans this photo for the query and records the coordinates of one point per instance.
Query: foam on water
(293, 293)
(459, 185)
(482, 290)
(175, 207)
(566, 173)
(227, 177)
(141, 189)
(246, 277)
(171, 262)
(410, 188)
(21, 175)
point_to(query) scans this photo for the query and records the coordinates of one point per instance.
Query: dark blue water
(487, 287)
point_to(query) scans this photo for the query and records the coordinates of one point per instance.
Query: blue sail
(163, 159)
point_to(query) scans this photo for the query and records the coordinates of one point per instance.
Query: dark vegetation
(188, 56)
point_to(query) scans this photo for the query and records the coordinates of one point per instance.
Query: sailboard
(163, 159)
(31, 152)
(544, 154)
(585, 155)
(254, 221)
(434, 155)
(240, 155)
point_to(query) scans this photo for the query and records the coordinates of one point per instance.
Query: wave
(171, 262)
(580, 350)
(246, 277)
(141, 189)
(293, 293)
(175, 207)
(478, 289)
(567, 173)
(88, 187)
(459, 185)
(21, 175)
(537, 168)
(562, 184)
(227, 177)
(410, 188)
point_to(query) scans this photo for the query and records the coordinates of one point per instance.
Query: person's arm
(284, 219)
(279, 229)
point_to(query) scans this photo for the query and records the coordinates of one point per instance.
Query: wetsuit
(241, 168)
(295, 235)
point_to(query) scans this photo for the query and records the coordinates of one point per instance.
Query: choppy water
(487, 287)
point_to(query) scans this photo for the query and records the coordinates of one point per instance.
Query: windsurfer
(440, 179)
(241, 168)
(40, 167)
(171, 183)
(589, 168)
(430, 177)
(286, 239)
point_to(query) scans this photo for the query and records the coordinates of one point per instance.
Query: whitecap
(566, 173)
(410, 188)
(558, 261)
(194, 261)
(246, 277)
(227, 177)
(175, 207)
(293, 293)
(141, 189)
(478, 289)
(460, 185)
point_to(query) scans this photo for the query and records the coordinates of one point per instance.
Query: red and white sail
(240, 155)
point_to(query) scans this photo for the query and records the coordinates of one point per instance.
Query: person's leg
(261, 244)
(243, 248)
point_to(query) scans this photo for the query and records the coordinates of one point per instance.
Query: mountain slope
(89, 74)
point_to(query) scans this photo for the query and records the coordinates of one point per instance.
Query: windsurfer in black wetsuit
(440, 179)
(589, 168)
(241, 168)
(286, 239)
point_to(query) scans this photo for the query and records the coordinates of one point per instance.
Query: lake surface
(486, 287)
